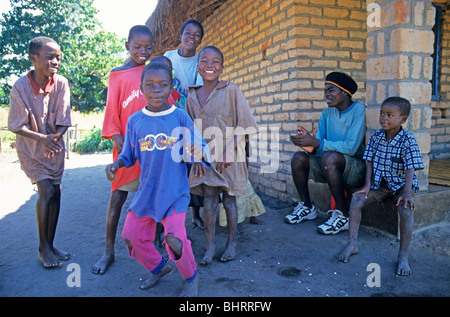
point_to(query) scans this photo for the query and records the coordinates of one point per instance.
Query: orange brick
(326, 43)
(335, 13)
(308, 10)
(323, 21)
(350, 3)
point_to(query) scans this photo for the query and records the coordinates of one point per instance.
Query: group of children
(166, 158)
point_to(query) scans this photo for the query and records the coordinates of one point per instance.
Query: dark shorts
(354, 173)
(383, 192)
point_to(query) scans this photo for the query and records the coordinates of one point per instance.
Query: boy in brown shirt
(39, 115)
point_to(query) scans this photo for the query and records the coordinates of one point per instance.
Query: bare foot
(208, 257)
(345, 254)
(198, 222)
(48, 259)
(154, 278)
(403, 268)
(61, 255)
(190, 288)
(229, 254)
(102, 265)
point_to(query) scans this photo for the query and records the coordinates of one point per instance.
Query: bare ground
(273, 260)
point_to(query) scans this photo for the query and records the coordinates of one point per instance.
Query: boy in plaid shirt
(392, 156)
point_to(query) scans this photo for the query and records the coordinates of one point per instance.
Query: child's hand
(118, 142)
(198, 169)
(407, 199)
(111, 170)
(221, 166)
(50, 142)
(363, 190)
(49, 154)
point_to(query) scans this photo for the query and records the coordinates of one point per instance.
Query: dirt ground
(273, 260)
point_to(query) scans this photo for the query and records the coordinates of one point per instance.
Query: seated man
(336, 156)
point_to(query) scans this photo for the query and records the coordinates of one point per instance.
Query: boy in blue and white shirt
(392, 156)
(163, 139)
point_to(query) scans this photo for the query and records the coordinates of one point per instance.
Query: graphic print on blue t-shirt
(157, 140)
(160, 142)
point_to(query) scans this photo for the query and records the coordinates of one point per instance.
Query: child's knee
(127, 242)
(175, 244)
(229, 202)
(210, 207)
(172, 241)
(46, 189)
(405, 213)
(358, 200)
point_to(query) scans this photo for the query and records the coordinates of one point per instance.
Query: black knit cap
(342, 81)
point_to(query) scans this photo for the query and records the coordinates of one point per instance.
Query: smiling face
(191, 38)
(156, 86)
(210, 65)
(47, 62)
(140, 48)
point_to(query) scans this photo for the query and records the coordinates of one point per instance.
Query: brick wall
(440, 130)
(279, 52)
(399, 63)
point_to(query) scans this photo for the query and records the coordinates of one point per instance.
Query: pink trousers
(140, 232)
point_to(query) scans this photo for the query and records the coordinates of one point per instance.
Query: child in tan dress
(222, 113)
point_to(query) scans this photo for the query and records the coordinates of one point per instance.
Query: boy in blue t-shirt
(392, 156)
(334, 155)
(158, 137)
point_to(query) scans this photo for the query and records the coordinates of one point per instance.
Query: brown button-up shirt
(40, 111)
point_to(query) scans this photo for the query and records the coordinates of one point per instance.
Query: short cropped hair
(192, 21)
(139, 29)
(38, 43)
(403, 104)
(156, 65)
(211, 47)
(161, 59)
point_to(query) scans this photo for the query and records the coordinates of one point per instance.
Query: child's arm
(112, 126)
(60, 130)
(49, 141)
(118, 142)
(367, 181)
(405, 195)
(111, 169)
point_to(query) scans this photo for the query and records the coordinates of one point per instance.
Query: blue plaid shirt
(392, 158)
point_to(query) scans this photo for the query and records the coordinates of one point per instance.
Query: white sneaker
(300, 213)
(335, 224)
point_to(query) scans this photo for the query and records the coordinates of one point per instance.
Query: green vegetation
(88, 52)
(93, 142)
